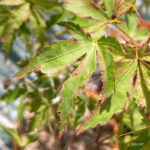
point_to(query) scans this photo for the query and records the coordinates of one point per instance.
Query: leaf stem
(138, 14)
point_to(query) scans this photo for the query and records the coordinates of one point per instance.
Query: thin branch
(133, 131)
(138, 14)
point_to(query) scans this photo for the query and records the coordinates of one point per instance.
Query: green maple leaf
(63, 53)
(132, 72)
(85, 8)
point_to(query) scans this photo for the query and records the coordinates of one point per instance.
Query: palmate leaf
(77, 80)
(123, 87)
(65, 53)
(114, 104)
(72, 84)
(56, 57)
(85, 8)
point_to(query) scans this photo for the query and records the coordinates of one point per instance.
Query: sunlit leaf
(131, 23)
(85, 8)
(109, 4)
(54, 58)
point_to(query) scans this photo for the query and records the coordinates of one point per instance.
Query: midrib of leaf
(41, 62)
(64, 53)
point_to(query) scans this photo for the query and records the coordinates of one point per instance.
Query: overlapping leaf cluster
(124, 67)
(23, 17)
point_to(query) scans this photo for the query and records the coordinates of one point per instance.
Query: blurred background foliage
(25, 27)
